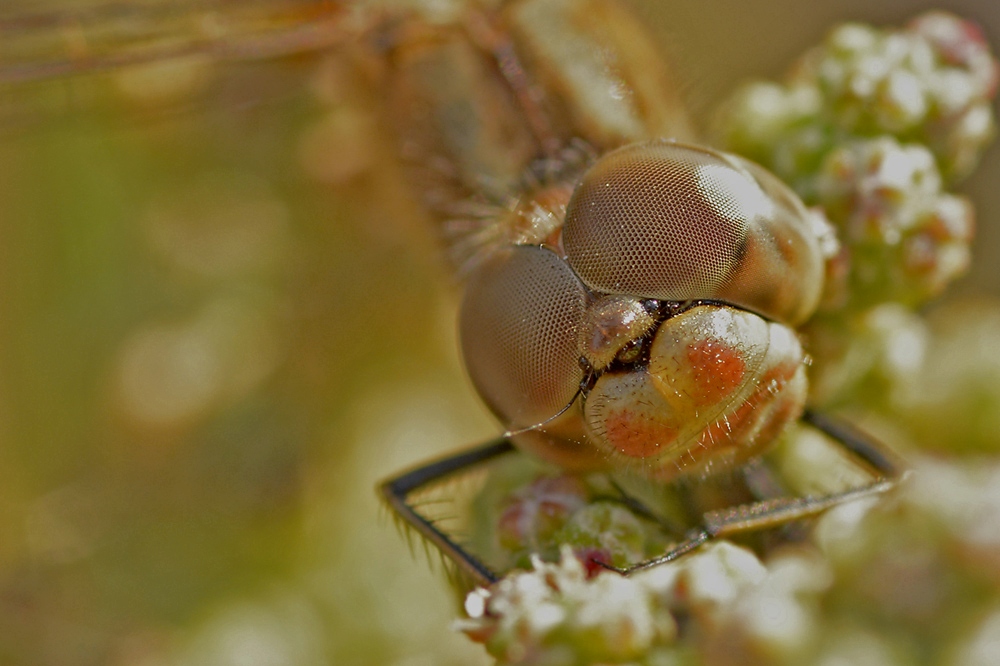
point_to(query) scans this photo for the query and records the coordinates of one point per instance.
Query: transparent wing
(40, 45)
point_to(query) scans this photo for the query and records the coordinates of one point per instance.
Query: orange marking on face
(716, 370)
(735, 427)
(636, 435)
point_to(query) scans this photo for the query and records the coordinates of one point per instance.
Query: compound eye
(673, 222)
(658, 220)
(782, 269)
(519, 327)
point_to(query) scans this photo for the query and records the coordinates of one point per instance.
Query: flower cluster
(875, 587)
(871, 126)
(929, 83)
(908, 238)
(559, 614)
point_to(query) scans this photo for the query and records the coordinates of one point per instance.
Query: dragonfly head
(657, 333)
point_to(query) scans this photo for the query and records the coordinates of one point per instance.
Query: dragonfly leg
(779, 511)
(763, 514)
(397, 491)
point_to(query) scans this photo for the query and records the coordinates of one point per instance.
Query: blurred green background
(222, 321)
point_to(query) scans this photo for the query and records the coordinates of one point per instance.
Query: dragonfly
(545, 138)
(615, 273)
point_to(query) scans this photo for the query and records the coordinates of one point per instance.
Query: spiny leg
(397, 491)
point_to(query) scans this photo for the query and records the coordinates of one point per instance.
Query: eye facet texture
(675, 222)
(519, 328)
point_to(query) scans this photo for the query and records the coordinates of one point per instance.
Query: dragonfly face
(662, 307)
